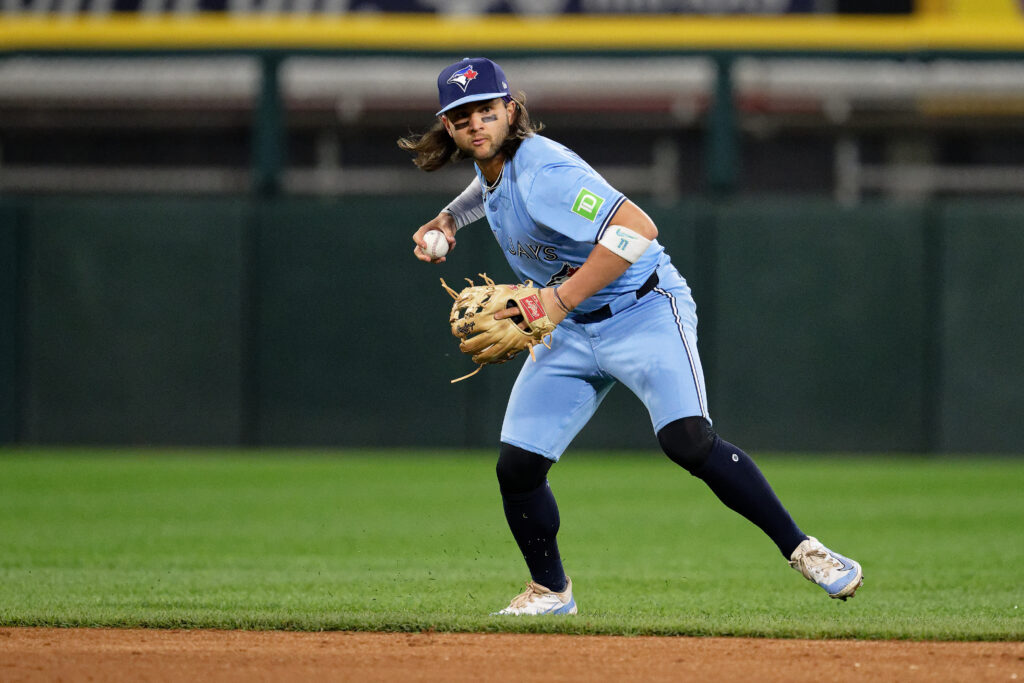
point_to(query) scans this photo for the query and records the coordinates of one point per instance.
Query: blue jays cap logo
(470, 80)
(462, 77)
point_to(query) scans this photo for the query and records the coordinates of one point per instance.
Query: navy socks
(729, 473)
(533, 519)
(737, 481)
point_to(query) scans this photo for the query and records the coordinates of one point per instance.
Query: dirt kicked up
(34, 654)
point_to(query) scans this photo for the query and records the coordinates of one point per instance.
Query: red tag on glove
(530, 308)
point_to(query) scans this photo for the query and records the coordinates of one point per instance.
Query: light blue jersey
(548, 212)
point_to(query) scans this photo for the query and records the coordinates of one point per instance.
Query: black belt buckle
(605, 311)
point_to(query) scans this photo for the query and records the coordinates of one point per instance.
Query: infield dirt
(47, 654)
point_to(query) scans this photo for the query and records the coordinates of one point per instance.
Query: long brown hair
(436, 148)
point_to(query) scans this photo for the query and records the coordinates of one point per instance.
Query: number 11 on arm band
(624, 242)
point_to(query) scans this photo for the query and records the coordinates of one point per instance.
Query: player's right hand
(443, 222)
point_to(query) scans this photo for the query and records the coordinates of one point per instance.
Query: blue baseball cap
(470, 80)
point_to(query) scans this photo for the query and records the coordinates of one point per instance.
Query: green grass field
(417, 540)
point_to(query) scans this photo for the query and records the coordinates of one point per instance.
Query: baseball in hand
(437, 244)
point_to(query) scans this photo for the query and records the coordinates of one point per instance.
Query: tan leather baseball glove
(490, 341)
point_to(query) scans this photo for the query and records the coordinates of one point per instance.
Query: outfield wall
(308, 322)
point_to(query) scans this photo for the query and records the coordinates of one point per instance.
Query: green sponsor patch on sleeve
(587, 204)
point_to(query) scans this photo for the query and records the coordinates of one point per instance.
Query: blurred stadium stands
(176, 108)
(833, 127)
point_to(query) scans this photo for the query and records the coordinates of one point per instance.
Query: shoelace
(818, 563)
(532, 589)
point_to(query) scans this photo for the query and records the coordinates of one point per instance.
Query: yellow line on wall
(584, 33)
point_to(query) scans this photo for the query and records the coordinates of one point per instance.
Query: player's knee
(687, 442)
(519, 470)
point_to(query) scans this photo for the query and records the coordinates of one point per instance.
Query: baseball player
(621, 313)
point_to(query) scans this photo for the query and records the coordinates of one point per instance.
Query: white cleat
(537, 599)
(839, 576)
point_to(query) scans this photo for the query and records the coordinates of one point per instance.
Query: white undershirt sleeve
(468, 207)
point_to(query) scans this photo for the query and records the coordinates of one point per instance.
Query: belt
(606, 312)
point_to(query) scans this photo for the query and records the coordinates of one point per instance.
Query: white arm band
(624, 242)
(468, 206)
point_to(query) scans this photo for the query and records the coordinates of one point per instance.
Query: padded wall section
(981, 383)
(133, 321)
(821, 317)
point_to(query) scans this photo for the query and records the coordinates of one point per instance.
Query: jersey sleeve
(573, 201)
